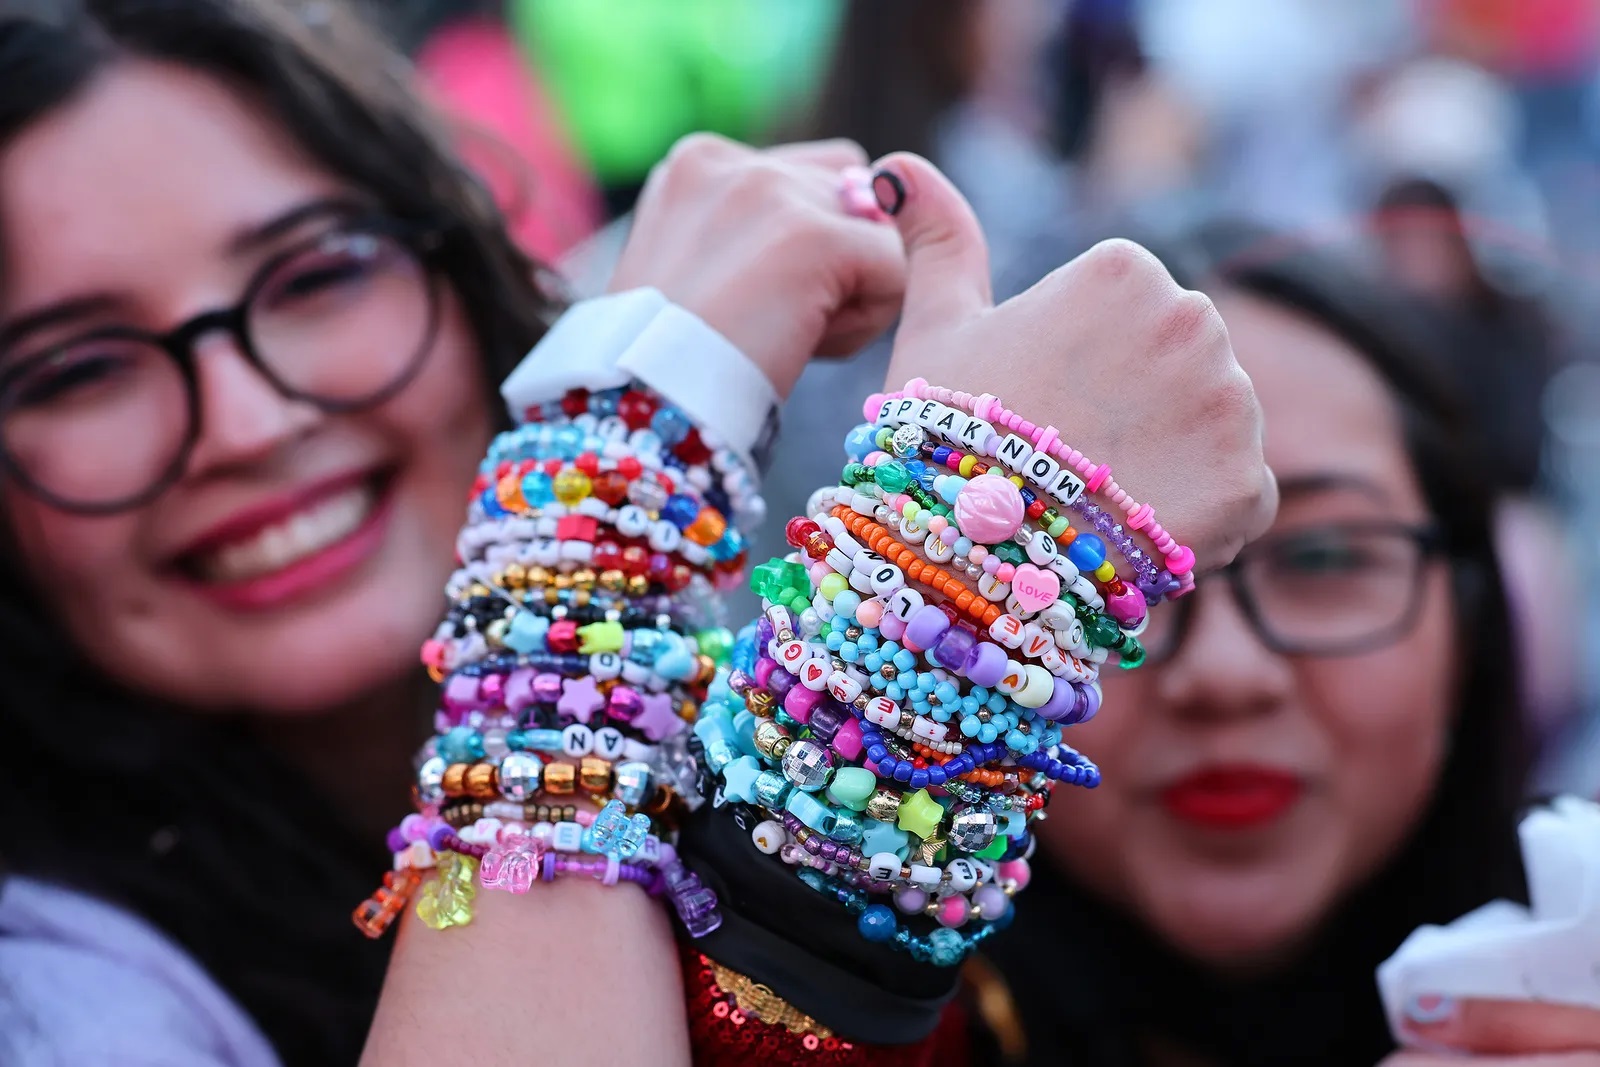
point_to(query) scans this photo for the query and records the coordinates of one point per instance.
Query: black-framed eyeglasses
(106, 420)
(1333, 590)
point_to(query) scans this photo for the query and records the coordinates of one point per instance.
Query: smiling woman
(1326, 749)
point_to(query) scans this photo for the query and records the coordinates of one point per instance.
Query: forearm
(581, 976)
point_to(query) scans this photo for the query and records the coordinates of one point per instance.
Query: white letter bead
(862, 504)
(1053, 660)
(985, 871)
(605, 666)
(793, 655)
(948, 425)
(814, 673)
(1041, 469)
(963, 875)
(861, 582)
(609, 743)
(769, 836)
(992, 588)
(867, 561)
(884, 867)
(929, 729)
(1014, 452)
(1035, 640)
(567, 837)
(842, 687)
(1042, 549)
(1065, 568)
(837, 559)
(905, 603)
(884, 410)
(974, 432)
(883, 712)
(1007, 630)
(1015, 678)
(936, 550)
(665, 537)
(924, 877)
(1067, 487)
(888, 580)
(577, 740)
(903, 411)
(632, 521)
(928, 413)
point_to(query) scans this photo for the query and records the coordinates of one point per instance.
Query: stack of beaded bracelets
(893, 722)
(579, 642)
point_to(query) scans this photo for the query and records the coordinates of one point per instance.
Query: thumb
(947, 260)
(1505, 1027)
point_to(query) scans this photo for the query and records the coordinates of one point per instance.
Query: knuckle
(698, 148)
(1189, 320)
(1119, 259)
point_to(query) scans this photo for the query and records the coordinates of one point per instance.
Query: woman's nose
(1222, 669)
(243, 417)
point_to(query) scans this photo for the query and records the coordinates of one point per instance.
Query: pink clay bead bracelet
(1180, 559)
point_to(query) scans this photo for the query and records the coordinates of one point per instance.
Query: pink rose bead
(989, 509)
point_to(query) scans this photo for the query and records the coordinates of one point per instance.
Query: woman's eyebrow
(256, 235)
(1299, 486)
(248, 239)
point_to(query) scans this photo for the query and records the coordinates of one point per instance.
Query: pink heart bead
(1035, 589)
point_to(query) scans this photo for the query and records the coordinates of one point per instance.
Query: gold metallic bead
(760, 702)
(583, 577)
(708, 668)
(638, 585)
(455, 780)
(483, 781)
(496, 632)
(478, 589)
(582, 597)
(559, 778)
(768, 736)
(516, 575)
(562, 581)
(612, 581)
(538, 576)
(594, 774)
(884, 805)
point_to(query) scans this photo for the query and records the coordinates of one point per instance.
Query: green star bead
(767, 578)
(919, 814)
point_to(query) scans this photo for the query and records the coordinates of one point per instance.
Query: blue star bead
(738, 779)
(882, 836)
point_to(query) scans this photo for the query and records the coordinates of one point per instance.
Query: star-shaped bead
(658, 719)
(580, 699)
(884, 837)
(739, 778)
(919, 814)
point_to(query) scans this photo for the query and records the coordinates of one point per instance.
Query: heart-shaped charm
(1035, 589)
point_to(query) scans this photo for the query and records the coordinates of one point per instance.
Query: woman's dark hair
(184, 819)
(1324, 1007)
(898, 66)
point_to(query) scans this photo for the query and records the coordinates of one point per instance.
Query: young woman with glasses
(1324, 751)
(252, 318)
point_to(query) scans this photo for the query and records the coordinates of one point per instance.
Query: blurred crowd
(1455, 144)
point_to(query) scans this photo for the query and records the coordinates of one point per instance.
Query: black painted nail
(889, 191)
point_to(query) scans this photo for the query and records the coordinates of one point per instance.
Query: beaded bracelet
(1025, 441)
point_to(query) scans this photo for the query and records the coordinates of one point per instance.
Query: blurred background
(1454, 143)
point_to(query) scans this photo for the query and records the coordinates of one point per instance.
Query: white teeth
(303, 534)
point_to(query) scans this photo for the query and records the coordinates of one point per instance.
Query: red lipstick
(1232, 798)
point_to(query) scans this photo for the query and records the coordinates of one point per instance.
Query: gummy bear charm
(615, 835)
(512, 865)
(447, 901)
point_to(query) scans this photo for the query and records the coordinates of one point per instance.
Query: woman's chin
(1248, 923)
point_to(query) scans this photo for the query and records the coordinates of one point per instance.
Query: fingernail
(890, 191)
(1428, 1009)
